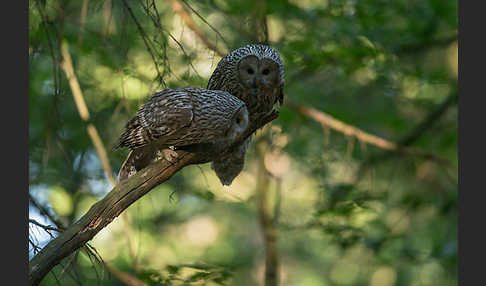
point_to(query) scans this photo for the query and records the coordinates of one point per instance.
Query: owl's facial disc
(269, 73)
(240, 122)
(248, 70)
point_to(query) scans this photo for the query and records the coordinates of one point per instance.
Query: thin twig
(45, 212)
(206, 22)
(45, 227)
(154, 15)
(144, 38)
(179, 9)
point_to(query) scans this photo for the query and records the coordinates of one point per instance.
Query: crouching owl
(180, 117)
(255, 74)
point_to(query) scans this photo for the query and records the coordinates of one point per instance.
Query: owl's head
(239, 123)
(258, 73)
(257, 67)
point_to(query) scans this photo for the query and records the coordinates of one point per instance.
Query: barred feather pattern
(180, 117)
(226, 77)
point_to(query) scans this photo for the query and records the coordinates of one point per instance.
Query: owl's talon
(169, 155)
(132, 171)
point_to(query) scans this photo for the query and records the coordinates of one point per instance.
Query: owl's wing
(162, 121)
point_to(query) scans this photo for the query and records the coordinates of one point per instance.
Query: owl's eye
(250, 70)
(238, 120)
(266, 71)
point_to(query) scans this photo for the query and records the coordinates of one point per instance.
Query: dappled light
(354, 183)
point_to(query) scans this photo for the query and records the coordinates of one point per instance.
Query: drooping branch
(117, 200)
(152, 12)
(206, 22)
(179, 9)
(145, 40)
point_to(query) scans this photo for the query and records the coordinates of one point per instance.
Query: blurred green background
(385, 67)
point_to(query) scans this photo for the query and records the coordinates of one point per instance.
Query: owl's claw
(167, 154)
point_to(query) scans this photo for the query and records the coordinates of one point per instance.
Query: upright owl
(180, 117)
(255, 74)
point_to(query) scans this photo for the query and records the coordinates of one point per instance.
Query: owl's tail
(136, 160)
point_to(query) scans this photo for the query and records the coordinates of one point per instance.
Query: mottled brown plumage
(255, 74)
(180, 117)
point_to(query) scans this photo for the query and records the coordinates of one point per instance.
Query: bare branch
(408, 140)
(327, 121)
(67, 67)
(124, 277)
(43, 210)
(45, 227)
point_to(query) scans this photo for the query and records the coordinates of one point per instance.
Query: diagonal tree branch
(408, 140)
(127, 278)
(67, 67)
(327, 121)
(115, 202)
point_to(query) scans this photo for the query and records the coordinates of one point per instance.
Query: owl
(178, 117)
(230, 165)
(255, 74)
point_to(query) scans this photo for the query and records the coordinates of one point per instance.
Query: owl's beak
(258, 82)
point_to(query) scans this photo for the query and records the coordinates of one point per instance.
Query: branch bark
(117, 200)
